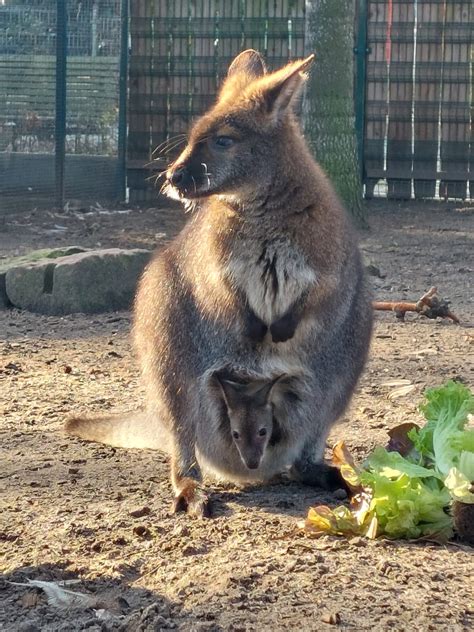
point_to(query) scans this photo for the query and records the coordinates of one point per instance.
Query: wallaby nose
(177, 176)
(253, 464)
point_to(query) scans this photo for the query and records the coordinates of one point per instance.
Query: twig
(429, 305)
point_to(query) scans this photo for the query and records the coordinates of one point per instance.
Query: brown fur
(266, 275)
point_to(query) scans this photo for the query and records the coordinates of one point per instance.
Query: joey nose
(253, 464)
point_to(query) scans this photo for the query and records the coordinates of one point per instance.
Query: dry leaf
(401, 391)
(341, 455)
(30, 599)
(399, 440)
(342, 459)
(399, 382)
(60, 597)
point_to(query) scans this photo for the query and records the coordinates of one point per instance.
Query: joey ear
(277, 382)
(231, 391)
(284, 86)
(262, 389)
(249, 62)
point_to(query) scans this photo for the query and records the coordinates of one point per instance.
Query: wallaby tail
(129, 430)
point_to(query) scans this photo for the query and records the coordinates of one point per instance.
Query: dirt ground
(73, 510)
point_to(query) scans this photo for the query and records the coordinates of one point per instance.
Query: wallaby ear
(277, 382)
(231, 391)
(284, 86)
(262, 389)
(249, 62)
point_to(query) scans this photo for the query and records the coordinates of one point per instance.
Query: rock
(333, 618)
(140, 512)
(86, 281)
(37, 255)
(371, 268)
(4, 301)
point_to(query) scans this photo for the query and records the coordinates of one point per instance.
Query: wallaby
(252, 422)
(255, 413)
(265, 275)
(244, 432)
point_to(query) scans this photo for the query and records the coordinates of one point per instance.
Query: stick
(429, 305)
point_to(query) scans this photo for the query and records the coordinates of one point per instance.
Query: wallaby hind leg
(189, 495)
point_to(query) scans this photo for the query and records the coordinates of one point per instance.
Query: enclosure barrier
(413, 99)
(419, 99)
(59, 122)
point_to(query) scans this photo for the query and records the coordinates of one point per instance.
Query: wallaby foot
(189, 495)
(192, 499)
(319, 474)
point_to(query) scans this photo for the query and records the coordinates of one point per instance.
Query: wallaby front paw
(192, 500)
(254, 328)
(284, 328)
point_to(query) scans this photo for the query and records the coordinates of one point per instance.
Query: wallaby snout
(253, 463)
(252, 449)
(188, 179)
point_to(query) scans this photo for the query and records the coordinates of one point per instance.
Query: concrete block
(90, 282)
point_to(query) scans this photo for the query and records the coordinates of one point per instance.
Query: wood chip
(333, 618)
(30, 599)
(401, 391)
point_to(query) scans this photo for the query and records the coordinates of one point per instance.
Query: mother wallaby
(266, 275)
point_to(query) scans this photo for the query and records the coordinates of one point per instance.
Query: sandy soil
(77, 510)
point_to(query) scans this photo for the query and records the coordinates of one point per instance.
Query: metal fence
(180, 51)
(419, 99)
(59, 102)
(63, 90)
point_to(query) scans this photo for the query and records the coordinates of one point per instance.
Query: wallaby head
(251, 414)
(241, 143)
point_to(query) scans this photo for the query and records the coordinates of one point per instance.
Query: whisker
(167, 141)
(163, 186)
(171, 147)
(194, 182)
(156, 177)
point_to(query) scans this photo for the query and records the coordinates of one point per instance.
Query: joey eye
(235, 435)
(223, 142)
(262, 432)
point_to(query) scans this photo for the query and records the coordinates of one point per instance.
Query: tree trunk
(329, 119)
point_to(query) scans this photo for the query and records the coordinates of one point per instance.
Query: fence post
(123, 95)
(329, 120)
(361, 52)
(94, 42)
(60, 114)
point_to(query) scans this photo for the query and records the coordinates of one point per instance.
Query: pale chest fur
(272, 274)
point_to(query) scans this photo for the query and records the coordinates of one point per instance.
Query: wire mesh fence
(30, 31)
(64, 132)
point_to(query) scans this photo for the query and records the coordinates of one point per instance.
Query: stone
(12, 262)
(88, 281)
(371, 268)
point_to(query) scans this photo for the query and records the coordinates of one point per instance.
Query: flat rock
(88, 281)
(7, 263)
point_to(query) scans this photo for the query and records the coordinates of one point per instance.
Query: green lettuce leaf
(443, 438)
(409, 495)
(407, 505)
(393, 464)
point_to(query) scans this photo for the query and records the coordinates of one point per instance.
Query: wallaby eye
(262, 432)
(235, 435)
(223, 142)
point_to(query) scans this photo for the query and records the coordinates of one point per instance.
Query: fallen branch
(429, 305)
